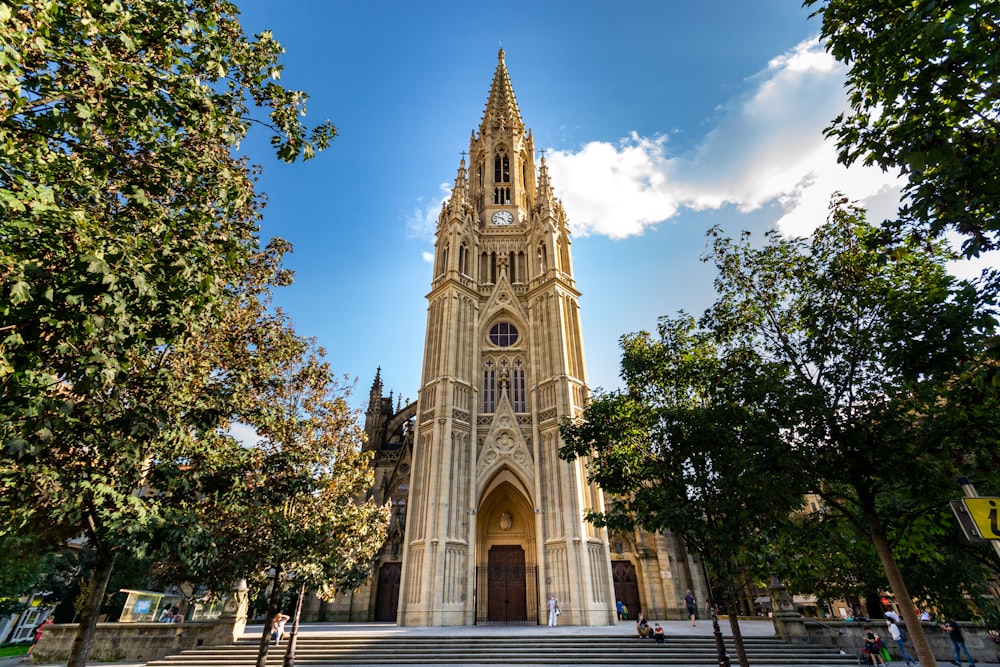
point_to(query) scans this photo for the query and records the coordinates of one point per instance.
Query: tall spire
(501, 107)
(375, 394)
(545, 196)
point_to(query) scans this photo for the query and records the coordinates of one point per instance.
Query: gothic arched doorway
(506, 571)
(387, 599)
(626, 586)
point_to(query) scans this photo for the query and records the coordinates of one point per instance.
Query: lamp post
(289, 660)
(720, 644)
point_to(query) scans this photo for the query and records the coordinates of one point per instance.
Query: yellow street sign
(985, 512)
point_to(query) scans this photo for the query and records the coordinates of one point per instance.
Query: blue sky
(660, 119)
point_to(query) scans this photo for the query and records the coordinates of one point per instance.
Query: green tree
(294, 507)
(884, 352)
(38, 568)
(924, 101)
(692, 446)
(853, 372)
(829, 555)
(128, 228)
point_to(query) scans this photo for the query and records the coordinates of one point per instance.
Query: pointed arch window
(463, 260)
(518, 399)
(443, 265)
(489, 387)
(501, 168)
(503, 378)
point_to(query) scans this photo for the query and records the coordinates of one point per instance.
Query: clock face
(502, 218)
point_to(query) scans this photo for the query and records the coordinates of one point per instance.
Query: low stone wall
(135, 642)
(847, 636)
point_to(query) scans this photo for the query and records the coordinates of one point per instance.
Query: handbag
(558, 611)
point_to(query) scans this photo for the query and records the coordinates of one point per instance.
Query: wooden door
(506, 588)
(626, 586)
(387, 596)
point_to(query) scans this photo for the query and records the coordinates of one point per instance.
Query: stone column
(788, 623)
(233, 620)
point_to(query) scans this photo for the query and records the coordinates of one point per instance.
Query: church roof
(501, 107)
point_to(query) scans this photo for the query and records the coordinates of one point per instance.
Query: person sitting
(658, 636)
(278, 627)
(642, 626)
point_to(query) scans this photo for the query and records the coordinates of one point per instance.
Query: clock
(502, 218)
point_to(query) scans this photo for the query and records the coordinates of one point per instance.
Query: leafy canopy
(128, 231)
(924, 100)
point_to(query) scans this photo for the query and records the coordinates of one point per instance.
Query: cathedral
(487, 520)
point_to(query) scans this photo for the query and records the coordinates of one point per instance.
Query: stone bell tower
(495, 521)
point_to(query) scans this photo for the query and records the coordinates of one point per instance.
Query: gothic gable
(504, 447)
(503, 299)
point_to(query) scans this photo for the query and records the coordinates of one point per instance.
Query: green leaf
(20, 292)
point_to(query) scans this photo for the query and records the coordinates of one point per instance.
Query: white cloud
(765, 147)
(618, 190)
(421, 222)
(244, 434)
(970, 269)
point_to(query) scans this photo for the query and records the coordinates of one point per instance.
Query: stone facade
(487, 519)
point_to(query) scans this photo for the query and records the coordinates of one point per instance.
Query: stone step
(367, 649)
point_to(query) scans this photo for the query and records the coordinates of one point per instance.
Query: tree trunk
(273, 600)
(103, 565)
(290, 651)
(881, 543)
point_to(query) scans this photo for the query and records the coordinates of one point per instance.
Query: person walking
(554, 611)
(38, 633)
(957, 642)
(900, 638)
(692, 606)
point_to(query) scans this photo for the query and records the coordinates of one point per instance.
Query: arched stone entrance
(506, 563)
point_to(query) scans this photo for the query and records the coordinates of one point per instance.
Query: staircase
(508, 648)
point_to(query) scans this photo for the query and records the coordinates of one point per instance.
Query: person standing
(957, 642)
(900, 638)
(872, 646)
(554, 611)
(692, 606)
(621, 610)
